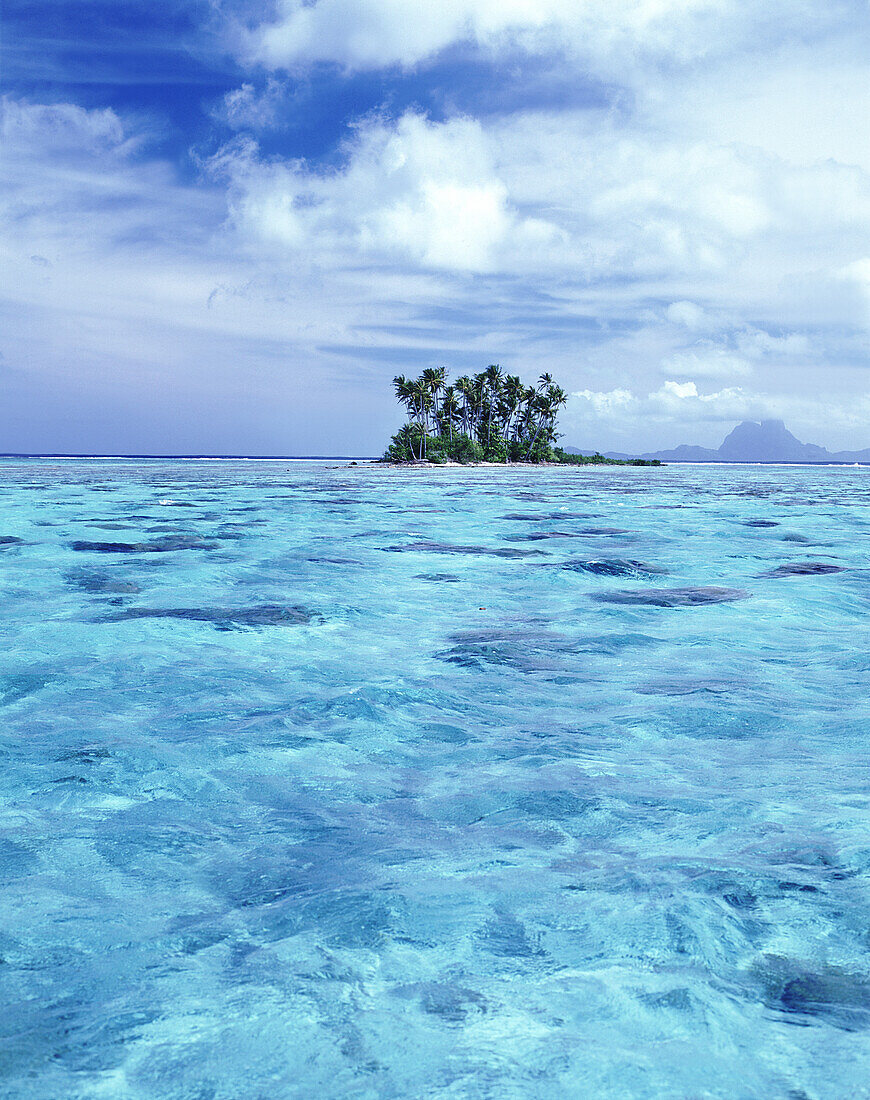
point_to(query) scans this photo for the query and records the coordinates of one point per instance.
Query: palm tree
(405, 395)
(465, 388)
(512, 395)
(403, 390)
(492, 382)
(496, 409)
(421, 404)
(449, 411)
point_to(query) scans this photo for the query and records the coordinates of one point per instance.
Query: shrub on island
(565, 459)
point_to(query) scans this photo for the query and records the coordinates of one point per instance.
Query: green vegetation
(597, 459)
(489, 417)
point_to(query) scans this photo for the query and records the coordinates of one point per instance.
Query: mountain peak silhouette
(755, 441)
(768, 441)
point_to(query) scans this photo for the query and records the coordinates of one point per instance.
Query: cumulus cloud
(683, 401)
(609, 403)
(366, 34)
(598, 215)
(536, 191)
(675, 401)
(374, 33)
(856, 275)
(686, 412)
(579, 193)
(424, 193)
(709, 226)
(132, 320)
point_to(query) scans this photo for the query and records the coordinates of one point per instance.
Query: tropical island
(488, 417)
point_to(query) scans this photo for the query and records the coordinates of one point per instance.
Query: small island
(488, 417)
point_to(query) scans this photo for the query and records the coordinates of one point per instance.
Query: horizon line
(274, 458)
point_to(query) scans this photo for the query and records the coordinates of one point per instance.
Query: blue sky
(226, 225)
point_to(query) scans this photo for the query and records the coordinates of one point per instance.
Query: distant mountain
(769, 441)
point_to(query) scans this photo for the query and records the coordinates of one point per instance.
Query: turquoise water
(339, 782)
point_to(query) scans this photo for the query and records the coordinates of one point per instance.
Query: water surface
(337, 782)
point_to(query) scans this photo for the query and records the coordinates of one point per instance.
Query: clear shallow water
(329, 782)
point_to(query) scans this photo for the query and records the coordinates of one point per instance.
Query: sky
(225, 225)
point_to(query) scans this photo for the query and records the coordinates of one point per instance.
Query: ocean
(345, 782)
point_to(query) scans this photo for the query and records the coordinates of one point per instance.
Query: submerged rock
(615, 567)
(452, 1003)
(539, 517)
(526, 651)
(15, 688)
(538, 536)
(496, 634)
(154, 546)
(804, 569)
(89, 755)
(263, 615)
(447, 548)
(828, 993)
(686, 685)
(506, 936)
(100, 584)
(610, 645)
(334, 561)
(673, 597)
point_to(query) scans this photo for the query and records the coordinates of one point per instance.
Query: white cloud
(712, 225)
(576, 196)
(758, 344)
(683, 401)
(63, 127)
(687, 314)
(684, 412)
(805, 104)
(536, 192)
(674, 401)
(415, 191)
(134, 321)
(857, 274)
(706, 362)
(606, 404)
(368, 34)
(246, 108)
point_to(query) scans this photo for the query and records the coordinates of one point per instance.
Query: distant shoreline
(202, 458)
(371, 460)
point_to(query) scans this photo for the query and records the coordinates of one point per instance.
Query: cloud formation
(425, 194)
(702, 415)
(369, 34)
(680, 400)
(687, 246)
(63, 127)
